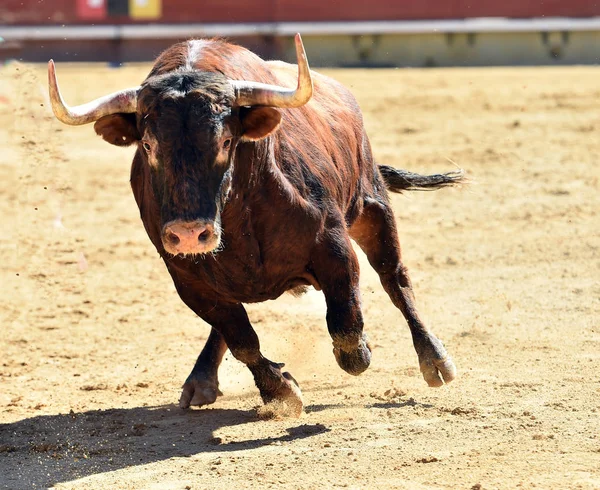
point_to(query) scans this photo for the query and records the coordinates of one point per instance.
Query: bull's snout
(189, 237)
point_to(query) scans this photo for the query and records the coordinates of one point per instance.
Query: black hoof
(285, 402)
(357, 361)
(199, 391)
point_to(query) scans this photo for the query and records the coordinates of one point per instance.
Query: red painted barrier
(352, 10)
(53, 12)
(91, 10)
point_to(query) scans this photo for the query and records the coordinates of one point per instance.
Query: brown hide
(300, 183)
(316, 167)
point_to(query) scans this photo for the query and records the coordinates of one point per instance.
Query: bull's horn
(261, 94)
(122, 101)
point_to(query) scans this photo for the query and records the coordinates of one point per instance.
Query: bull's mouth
(191, 237)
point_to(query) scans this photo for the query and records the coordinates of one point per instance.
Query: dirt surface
(95, 342)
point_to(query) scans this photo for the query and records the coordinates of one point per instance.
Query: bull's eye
(146, 146)
(226, 143)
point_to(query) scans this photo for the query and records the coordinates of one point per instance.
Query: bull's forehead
(187, 115)
(173, 107)
(210, 88)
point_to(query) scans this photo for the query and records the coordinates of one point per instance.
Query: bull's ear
(259, 122)
(118, 129)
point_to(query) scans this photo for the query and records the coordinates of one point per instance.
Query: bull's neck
(258, 175)
(253, 166)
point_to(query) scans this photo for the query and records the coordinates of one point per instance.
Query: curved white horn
(262, 94)
(122, 101)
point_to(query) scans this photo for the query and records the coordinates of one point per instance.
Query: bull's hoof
(357, 361)
(199, 391)
(436, 365)
(285, 402)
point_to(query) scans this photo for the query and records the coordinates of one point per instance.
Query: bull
(249, 189)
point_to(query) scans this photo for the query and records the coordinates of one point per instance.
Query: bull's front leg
(202, 385)
(275, 387)
(231, 329)
(336, 268)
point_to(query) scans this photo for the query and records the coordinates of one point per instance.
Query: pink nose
(183, 237)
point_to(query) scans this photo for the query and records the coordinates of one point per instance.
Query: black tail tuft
(397, 180)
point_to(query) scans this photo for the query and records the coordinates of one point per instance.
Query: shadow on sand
(411, 402)
(41, 451)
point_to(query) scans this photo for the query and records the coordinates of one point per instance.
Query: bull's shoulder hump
(325, 86)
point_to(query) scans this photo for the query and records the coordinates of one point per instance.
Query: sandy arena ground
(95, 342)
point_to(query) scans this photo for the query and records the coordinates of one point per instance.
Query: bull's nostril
(172, 238)
(202, 237)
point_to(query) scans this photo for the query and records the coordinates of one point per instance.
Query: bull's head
(187, 125)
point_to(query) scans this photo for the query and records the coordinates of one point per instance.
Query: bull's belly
(256, 292)
(295, 286)
(222, 280)
(245, 271)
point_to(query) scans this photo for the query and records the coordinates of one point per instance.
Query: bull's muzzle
(190, 237)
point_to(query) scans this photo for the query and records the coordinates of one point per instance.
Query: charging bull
(248, 189)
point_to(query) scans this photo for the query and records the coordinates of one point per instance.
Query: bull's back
(325, 137)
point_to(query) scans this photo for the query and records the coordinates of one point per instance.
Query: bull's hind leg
(375, 232)
(335, 266)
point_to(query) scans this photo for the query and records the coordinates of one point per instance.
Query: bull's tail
(397, 180)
